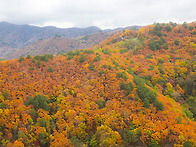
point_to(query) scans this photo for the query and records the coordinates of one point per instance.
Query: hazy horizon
(108, 14)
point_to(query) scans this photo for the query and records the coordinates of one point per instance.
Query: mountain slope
(136, 88)
(13, 36)
(18, 40)
(59, 44)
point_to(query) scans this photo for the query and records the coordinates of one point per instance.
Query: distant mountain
(135, 27)
(13, 36)
(57, 44)
(17, 40)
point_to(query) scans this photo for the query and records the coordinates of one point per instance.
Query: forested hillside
(136, 88)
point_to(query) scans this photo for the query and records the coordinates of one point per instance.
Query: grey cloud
(102, 13)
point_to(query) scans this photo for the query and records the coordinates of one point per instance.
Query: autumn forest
(135, 88)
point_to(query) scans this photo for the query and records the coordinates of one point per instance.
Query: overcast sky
(102, 13)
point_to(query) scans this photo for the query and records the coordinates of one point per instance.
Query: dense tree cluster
(133, 91)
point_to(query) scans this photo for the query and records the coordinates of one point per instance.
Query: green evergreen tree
(122, 85)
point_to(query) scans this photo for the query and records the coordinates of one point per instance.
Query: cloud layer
(102, 13)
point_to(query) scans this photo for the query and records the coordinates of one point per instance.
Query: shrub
(146, 77)
(154, 45)
(45, 57)
(145, 93)
(42, 139)
(93, 141)
(31, 68)
(185, 25)
(188, 144)
(101, 72)
(97, 58)
(122, 51)
(38, 63)
(130, 137)
(20, 134)
(159, 105)
(161, 61)
(100, 103)
(2, 105)
(122, 85)
(108, 43)
(92, 67)
(157, 30)
(162, 41)
(129, 88)
(6, 94)
(82, 58)
(149, 56)
(115, 63)
(122, 75)
(50, 69)
(173, 24)
(191, 28)
(33, 60)
(88, 51)
(104, 66)
(153, 143)
(165, 46)
(50, 56)
(114, 40)
(71, 54)
(106, 51)
(109, 67)
(168, 28)
(176, 42)
(29, 56)
(151, 68)
(188, 113)
(179, 120)
(42, 123)
(135, 52)
(161, 70)
(101, 94)
(33, 112)
(39, 101)
(146, 103)
(21, 59)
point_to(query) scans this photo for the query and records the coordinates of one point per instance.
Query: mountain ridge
(14, 37)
